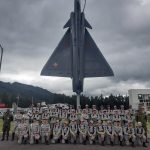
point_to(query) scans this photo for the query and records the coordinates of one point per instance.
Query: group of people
(88, 125)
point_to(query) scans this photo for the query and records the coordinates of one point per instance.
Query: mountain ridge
(12, 90)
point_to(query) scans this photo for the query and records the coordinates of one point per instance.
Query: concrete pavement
(9, 145)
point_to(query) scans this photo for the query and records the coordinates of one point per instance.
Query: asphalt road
(8, 145)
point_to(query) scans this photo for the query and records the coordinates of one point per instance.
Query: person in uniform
(53, 117)
(118, 132)
(129, 134)
(142, 117)
(105, 116)
(95, 116)
(122, 115)
(91, 132)
(115, 108)
(65, 132)
(101, 108)
(140, 134)
(30, 114)
(7, 119)
(23, 131)
(108, 109)
(57, 132)
(45, 114)
(83, 131)
(87, 109)
(34, 131)
(94, 109)
(101, 132)
(100, 112)
(84, 115)
(110, 132)
(109, 113)
(127, 117)
(70, 109)
(73, 116)
(73, 131)
(116, 116)
(63, 114)
(79, 110)
(17, 120)
(45, 131)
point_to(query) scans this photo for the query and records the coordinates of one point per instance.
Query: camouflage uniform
(34, 132)
(17, 121)
(45, 131)
(65, 132)
(142, 117)
(118, 132)
(101, 131)
(57, 129)
(83, 129)
(140, 134)
(7, 118)
(73, 131)
(129, 134)
(91, 132)
(23, 130)
(110, 132)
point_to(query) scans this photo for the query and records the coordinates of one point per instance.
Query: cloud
(30, 30)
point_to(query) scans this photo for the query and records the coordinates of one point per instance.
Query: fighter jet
(77, 56)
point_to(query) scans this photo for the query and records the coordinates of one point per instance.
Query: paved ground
(8, 145)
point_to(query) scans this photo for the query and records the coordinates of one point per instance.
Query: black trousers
(6, 130)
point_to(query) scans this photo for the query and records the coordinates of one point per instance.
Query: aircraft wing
(59, 64)
(95, 64)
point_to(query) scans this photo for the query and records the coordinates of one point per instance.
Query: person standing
(17, 120)
(7, 119)
(141, 116)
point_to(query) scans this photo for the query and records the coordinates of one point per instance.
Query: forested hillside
(9, 93)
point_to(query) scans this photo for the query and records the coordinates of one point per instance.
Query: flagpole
(18, 98)
(1, 56)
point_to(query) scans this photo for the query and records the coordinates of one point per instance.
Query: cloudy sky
(31, 29)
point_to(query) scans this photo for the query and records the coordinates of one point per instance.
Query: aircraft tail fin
(68, 24)
(87, 24)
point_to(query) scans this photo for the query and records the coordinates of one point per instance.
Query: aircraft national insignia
(55, 65)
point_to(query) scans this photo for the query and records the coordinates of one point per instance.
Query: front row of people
(83, 132)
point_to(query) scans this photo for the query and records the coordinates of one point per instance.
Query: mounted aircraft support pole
(78, 100)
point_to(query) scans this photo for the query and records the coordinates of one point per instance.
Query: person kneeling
(56, 132)
(34, 132)
(65, 132)
(140, 134)
(101, 132)
(22, 132)
(83, 132)
(129, 134)
(45, 131)
(91, 132)
(73, 131)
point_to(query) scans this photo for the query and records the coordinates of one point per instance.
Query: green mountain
(27, 93)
